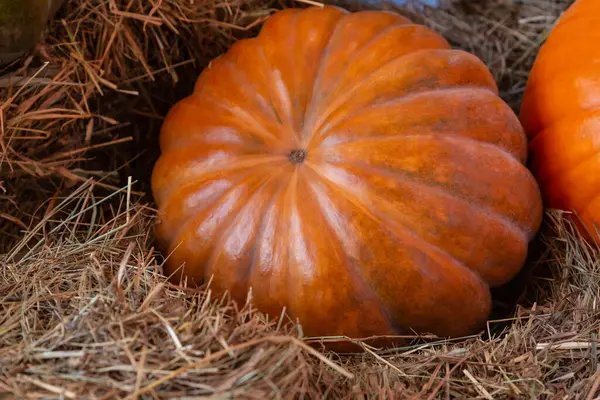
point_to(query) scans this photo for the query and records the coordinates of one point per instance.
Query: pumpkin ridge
(218, 239)
(314, 104)
(241, 113)
(352, 268)
(290, 209)
(444, 136)
(557, 178)
(239, 75)
(278, 88)
(264, 103)
(203, 141)
(583, 160)
(185, 226)
(522, 232)
(410, 239)
(402, 231)
(172, 139)
(536, 85)
(261, 230)
(571, 119)
(333, 106)
(558, 174)
(591, 201)
(311, 103)
(173, 200)
(296, 118)
(493, 274)
(276, 227)
(231, 164)
(364, 47)
(332, 126)
(174, 244)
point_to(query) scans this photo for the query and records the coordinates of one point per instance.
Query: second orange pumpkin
(351, 168)
(561, 115)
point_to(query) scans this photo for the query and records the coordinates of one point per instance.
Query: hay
(84, 311)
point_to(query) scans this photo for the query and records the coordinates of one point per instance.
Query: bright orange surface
(411, 200)
(561, 115)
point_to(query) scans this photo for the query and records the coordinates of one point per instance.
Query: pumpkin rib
(448, 136)
(544, 105)
(171, 140)
(315, 100)
(292, 211)
(376, 38)
(284, 118)
(580, 117)
(308, 53)
(231, 199)
(175, 213)
(277, 86)
(183, 210)
(575, 170)
(405, 233)
(243, 115)
(433, 255)
(386, 157)
(362, 282)
(501, 125)
(250, 90)
(520, 232)
(264, 104)
(212, 264)
(261, 230)
(398, 20)
(409, 238)
(175, 245)
(543, 176)
(288, 206)
(187, 225)
(274, 227)
(232, 164)
(407, 100)
(444, 55)
(490, 273)
(325, 53)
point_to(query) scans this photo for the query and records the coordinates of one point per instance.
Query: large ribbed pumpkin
(561, 115)
(352, 168)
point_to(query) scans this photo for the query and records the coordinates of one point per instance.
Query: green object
(22, 23)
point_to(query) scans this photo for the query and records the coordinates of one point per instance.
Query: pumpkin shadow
(525, 289)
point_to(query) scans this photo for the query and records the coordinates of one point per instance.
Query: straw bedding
(84, 310)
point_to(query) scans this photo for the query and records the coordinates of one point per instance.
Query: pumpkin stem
(297, 156)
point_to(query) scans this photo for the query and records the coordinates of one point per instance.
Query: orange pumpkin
(352, 168)
(561, 115)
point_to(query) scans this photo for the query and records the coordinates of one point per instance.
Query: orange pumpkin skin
(352, 168)
(561, 116)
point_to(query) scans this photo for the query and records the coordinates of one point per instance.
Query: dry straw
(84, 311)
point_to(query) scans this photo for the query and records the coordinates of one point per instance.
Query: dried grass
(84, 311)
